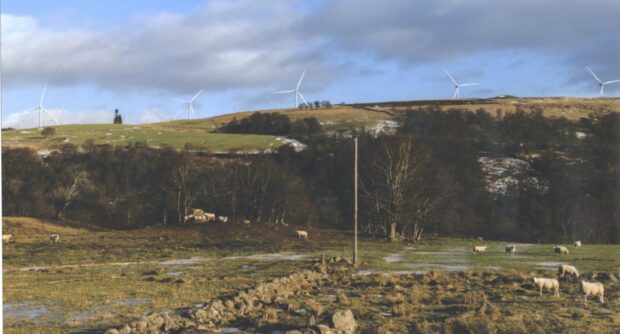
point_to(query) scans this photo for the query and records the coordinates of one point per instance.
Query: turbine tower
(601, 82)
(457, 86)
(190, 108)
(41, 109)
(296, 91)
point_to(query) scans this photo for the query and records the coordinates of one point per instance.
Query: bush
(48, 132)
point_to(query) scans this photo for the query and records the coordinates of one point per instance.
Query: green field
(94, 279)
(152, 135)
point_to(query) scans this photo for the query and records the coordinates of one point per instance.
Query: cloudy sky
(95, 56)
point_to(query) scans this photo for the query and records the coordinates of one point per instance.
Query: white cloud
(30, 118)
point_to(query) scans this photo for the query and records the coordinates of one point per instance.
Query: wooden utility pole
(355, 254)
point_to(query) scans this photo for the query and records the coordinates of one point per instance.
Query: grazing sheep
(577, 243)
(550, 284)
(6, 237)
(222, 219)
(512, 249)
(54, 237)
(209, 216)
(198, 212)
(480, 249)
(200, 219)
(559, 250)
(592, 289)
(566, 269)
(302, 234)
(247, 222)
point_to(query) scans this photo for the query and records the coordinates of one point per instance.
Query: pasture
(95, 279)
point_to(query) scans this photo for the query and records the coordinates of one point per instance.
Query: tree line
(426, 178)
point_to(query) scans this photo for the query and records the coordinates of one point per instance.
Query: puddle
(230, 330)
(24, 311)
(183, 262)
(269, 257)
(547, 264)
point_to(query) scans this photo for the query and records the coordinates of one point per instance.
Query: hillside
(370, 116)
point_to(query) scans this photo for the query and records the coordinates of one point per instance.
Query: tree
(48, 132)
(118, 119)
(65, 194)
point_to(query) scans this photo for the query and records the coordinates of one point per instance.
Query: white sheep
(200, 219)
(550, 284)
(54, 237)
(559, 250)
(567, 269)
(577, 243)
(480, 249)
(222, 219)
(302, 234)
(512, 249)
(188, 218)
(6, 237)
(592, 289)
(247, 222)
(209, 216)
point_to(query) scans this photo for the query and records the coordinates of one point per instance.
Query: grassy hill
(334, 119)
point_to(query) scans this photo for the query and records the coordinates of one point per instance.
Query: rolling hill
(199, 133)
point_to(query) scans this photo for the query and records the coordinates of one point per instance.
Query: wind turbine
(190, 109)
(296, 91)
(601, 82)
(457, 86)
(41, 109)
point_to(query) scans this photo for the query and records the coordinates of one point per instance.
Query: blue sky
(136, 55)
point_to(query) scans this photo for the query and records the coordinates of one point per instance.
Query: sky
(139, 55)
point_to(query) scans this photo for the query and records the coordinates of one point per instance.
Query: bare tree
(66, 194)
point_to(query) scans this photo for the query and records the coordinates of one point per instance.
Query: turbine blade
(300, 79)
(610, 82)
(285, 91)
(469, 84)
(195, 96)
(50, 115)
(302, 98)
(43, 95)
(451, 78)
(177, 114)
(594, 75)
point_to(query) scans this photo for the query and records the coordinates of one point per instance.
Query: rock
(111, 331)
(323, 329)
(125, 330)
(344, 321)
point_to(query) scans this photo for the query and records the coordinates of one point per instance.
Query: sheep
(480, 249)
(302, 234)
(479, 239)
(246, 222)
(222, 219)
(512, 249)
(567, 269)
(577, 243)
(200, 219)
(6, 237)
(188, 218)
(209, 216)
(559, 250)
(54, 237)
(550, 284)
(198, 212)
(592, 289)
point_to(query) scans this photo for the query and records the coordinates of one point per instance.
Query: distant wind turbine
(296, 91)
(190, 108)
(457, 86)
(601, 82)
(41, 109)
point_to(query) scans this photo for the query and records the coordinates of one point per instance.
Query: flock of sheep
(595, 289)
(54, 237)
(198, 216)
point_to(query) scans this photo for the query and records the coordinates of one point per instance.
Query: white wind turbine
(190, 108)
(601, 82)
(41, 109)
(457, 86)
(296, 91)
